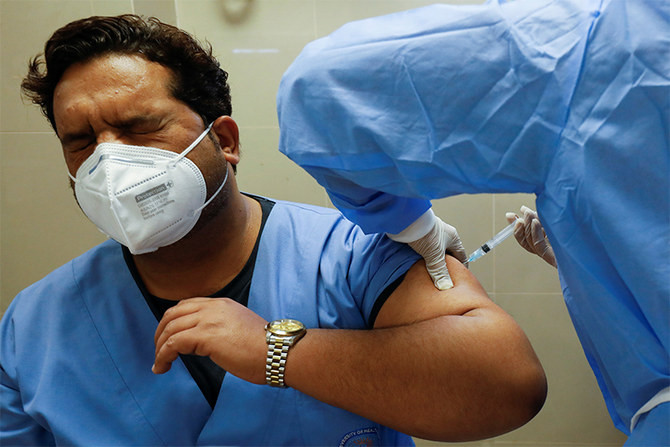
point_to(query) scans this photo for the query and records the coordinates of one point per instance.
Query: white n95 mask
(142, 197)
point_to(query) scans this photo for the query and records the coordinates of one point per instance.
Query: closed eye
(77, 143)
(141, 125)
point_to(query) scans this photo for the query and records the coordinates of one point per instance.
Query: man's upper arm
(417, 299)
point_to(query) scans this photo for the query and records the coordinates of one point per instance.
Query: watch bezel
(277, 327)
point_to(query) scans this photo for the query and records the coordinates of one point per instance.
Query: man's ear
(228, 135)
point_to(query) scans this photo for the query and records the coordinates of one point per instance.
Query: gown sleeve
(390, 112)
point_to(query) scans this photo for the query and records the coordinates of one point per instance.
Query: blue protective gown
(567, 99)
(76, 348)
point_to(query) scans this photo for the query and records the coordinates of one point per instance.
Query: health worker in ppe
(216, 317)
(566, 99)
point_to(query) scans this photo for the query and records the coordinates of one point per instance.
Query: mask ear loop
(192, 146)
(225, 179)
(189, 149)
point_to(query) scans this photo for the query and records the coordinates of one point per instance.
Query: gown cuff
(416, 230)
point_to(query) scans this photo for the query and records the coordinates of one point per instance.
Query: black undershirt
(207, 374)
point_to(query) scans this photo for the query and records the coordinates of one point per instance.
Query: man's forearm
(451, 378)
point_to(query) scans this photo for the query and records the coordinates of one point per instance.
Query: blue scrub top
(567, 99)
(76, 348)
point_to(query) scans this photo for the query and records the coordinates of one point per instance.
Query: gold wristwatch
(280, 335)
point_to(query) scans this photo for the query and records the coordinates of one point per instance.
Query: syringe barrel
(501, 236)
(489, 245)
(476, 254)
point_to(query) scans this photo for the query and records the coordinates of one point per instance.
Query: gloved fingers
(440, 274)
(531, 235)
(519, 231)
(451, 242)
(433, 247)
(525, 210)
(528, 216)
(511, 217)
(455, 247)
(433, 252)
(541, 243)
(537, 233)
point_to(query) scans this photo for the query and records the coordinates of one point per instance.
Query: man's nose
(109, 136)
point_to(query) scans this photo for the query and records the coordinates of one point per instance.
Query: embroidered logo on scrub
(365, 437)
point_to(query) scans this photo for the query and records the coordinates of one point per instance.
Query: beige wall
(42, 228)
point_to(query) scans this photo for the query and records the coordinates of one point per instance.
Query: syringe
(493, 242)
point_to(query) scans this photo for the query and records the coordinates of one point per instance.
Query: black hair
(198, 79)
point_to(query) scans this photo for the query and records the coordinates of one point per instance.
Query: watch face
(286, 327)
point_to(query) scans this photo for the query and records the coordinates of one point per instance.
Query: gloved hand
(531, 236)
(430, 237)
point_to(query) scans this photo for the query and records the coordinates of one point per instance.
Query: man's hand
(225, 331)
(432, 238)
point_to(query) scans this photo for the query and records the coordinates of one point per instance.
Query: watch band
(276, 360)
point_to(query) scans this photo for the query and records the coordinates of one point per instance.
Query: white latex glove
(430, 237)
(531, 236)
